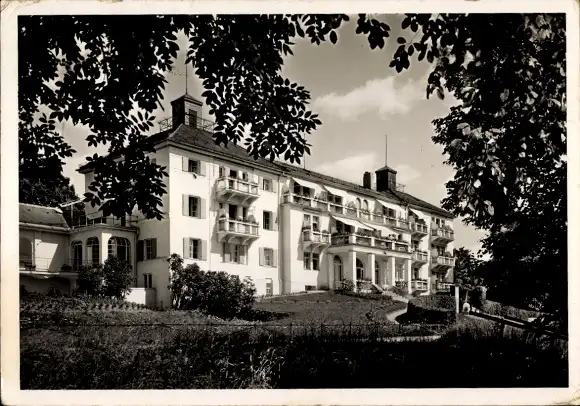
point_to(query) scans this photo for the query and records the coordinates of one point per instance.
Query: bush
(216, 293)
(433, 309)
(345, 286)
(118, 277)
(90, 280)
(478, 297)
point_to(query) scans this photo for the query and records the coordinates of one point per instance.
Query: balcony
(418, 230)
(440, 235)
(315, 238)
(419, 284)
(229, 229)
(370, 241)
(192, 119)
(420, 257)
(442, 263)
(230, 189)
(442, 286)
(43, 265)
(90, 221)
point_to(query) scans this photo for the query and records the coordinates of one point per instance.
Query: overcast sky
(359, 100)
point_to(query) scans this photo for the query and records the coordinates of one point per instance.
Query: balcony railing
(369, 241)
(441, 233)
(418, 228)
(84, 221)
(443, 286)
(442, 260)
(226, 184)
(419, 284)
(313, 236)
(420, 256)
(191, 120)
(332, 207)
(227, 225)
(44, 264)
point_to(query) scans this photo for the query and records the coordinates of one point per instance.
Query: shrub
(90, 280)
(346, 285)
(216, 293)
(118, 278)
(433, 309)
(478, 297)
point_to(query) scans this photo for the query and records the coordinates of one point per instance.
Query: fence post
(290, 331)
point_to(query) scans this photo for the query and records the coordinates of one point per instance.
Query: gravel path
(393, 315)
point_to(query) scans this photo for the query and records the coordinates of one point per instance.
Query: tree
(118, 277)
(90, 280)
(466, 269)
(505, 140)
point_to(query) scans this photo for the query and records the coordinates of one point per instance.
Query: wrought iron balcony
(191, 120)
(229, 229)
(229, 189)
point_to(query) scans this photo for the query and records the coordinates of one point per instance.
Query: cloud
(406, 173)
(350, 169)
(377, 95)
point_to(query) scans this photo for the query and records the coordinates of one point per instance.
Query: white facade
(287, 229)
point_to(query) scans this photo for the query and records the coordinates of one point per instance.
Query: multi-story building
(287, 228)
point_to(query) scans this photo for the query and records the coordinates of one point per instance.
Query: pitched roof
(386, 168)
(203, 140)
(40, 215)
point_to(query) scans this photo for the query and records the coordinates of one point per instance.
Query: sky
(362, 104)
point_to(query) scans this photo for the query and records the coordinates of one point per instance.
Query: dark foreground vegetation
(473, 355)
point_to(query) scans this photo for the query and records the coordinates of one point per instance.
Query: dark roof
(202, 140)
(41, 215)
(386, 168)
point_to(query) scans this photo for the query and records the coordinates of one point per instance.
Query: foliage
(118, 277)
(216, 293)
(465, 269)
(432, 309)
(478, 297)
(192, 359)
(346, 285)
(90, 280)
(42, 304)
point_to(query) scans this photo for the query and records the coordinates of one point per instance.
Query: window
(193, 206)
(268, 257)
(93, 250)
(140, 250)
(77, 253)
(267, 220)
(358, 203)
(192, 118)
(267, 185)
(415, 245)
(222, 171)
(360, 269)
(245, 176)
(315, 261)
(306, 221)
(365, 205)
(269, 287)
(315, 223)
(235, 253)
(307, 260)
(151, 248)
(194, 248)
(147, 280)
(120, 248)
(415, 273)
(193, 166)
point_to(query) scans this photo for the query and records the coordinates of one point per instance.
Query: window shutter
(202, 208)
(185, 247)
(274, 258)
(274, 185)
(154, 248)
(243, 254)
(226, 249)
(261, 256)
(261, 182)
(185, 163)
(186, 205)
(202, 168)
(140, 250)
(203, 250)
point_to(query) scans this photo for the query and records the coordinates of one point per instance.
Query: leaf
(440, 94)
(333, 37)
(401, 40)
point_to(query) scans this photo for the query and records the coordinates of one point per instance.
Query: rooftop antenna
(387, 149)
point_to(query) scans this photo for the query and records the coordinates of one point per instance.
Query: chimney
(370, 180)
(186, 110)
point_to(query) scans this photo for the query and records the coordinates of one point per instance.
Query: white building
(287, 228)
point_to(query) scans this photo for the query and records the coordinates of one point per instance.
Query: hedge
(433, 309)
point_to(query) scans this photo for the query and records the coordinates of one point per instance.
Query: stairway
(377, 288)
(395, 297)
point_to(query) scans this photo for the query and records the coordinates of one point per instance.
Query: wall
(205, 228)
(50, 250)
(41, 285)
(142, 296)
